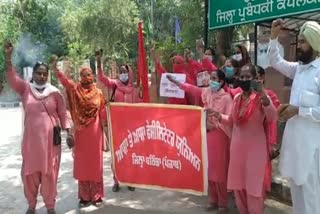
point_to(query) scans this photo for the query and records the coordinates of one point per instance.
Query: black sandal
(115, 188)
(51, 211)
(83, 203)
(131, 188)
(30, 211)
(98, 203)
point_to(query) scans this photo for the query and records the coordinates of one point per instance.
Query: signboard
(159, 146)
(169, 89)
(229, 13)
(203, 78)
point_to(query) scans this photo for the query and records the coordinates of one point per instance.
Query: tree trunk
(224, 41)
(1, 86)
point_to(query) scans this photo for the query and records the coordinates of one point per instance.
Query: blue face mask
(229, 72)
(214, 86)
(124, 77)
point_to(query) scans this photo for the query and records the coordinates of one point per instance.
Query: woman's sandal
(131, 188)
(51, 211)
(115, 188)
(83, 203)
(31, 211)
(98, 203)
(211, 207)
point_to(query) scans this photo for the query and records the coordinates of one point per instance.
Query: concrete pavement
(141, 201)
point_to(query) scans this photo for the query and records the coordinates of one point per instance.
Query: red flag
(142, 65)
(138, 75)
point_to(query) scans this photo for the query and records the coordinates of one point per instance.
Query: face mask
(86, 80)
(229, 72)
(237, 57)
(40, 87)
(245, 85)
(124, 77)
(214, 86)
(209, 57)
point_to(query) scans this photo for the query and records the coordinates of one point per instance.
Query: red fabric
(245, 110)
(124, 93)
(207, 65)
(88, 155)
(271, 131)
(87, 152)
(178, 60)
(90, 190)
(180, 67)
(248, 204)
(142, 65)
(46, 182)
(232, 91)
(138, 77)
(194, 68)
(159, 68)
(177, 101)
(129, 169)
(193, 91)
(218, 194)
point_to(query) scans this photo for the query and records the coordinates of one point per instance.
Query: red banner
(159, 146)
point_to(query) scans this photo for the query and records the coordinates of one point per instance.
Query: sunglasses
(41, 63)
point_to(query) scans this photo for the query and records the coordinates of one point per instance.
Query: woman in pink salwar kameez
(123, 90)
(44, 108)
(249, 150)
(215, 98)
(88, 112)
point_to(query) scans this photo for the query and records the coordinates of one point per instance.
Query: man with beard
(300, 152)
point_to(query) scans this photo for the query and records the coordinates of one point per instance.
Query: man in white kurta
(300, 158)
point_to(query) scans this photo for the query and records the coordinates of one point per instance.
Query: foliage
(74, 29)
(109, 25)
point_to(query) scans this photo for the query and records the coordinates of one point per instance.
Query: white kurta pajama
(300, 152)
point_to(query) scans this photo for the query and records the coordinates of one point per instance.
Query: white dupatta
(34, 88)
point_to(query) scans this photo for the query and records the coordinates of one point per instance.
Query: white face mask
(209, 57)
(40, 87)
(237, 57)
(123, 77)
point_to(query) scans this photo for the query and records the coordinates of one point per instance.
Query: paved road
(139, 202)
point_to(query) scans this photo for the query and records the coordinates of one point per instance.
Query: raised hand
(99, 54)
(8, 48)
(276, 28)
(53, 62)
(265, 101)
(200, 45)
(173, 80)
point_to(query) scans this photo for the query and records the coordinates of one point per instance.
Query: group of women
(45, 113)
(240, 126)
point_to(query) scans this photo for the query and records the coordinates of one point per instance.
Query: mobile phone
(257, 86)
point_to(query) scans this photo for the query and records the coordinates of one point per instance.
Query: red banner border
(203, 145)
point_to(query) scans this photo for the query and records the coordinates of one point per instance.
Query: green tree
(110, 25)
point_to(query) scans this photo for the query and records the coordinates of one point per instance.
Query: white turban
(311, 32)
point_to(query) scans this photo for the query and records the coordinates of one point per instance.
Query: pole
(256, 43)
(206, 22)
